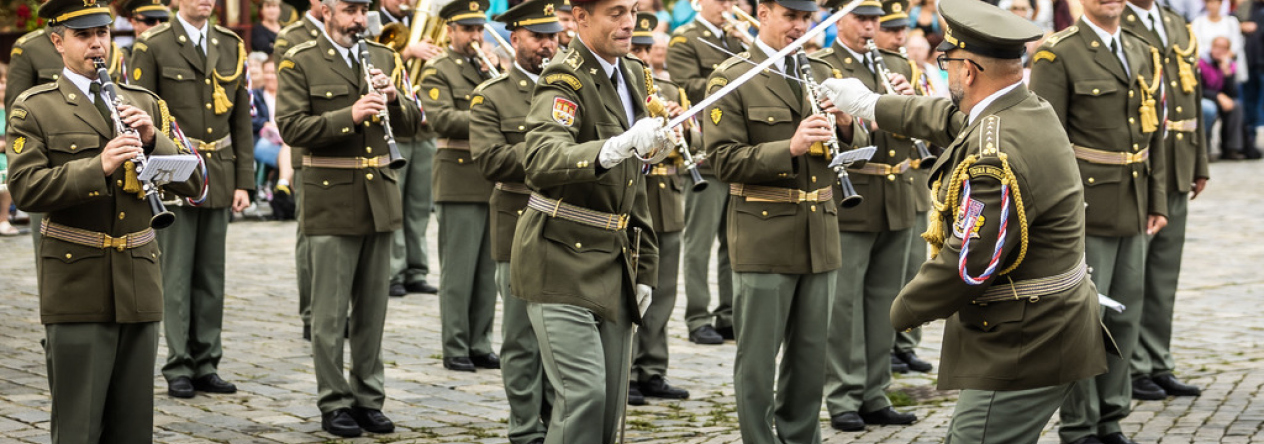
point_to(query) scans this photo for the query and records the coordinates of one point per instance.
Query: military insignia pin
(548, 9)
(473, 6)
(18, 145)
(564, 111)
(434, 93)
(715, 116)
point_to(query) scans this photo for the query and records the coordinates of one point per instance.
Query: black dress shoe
(1145, 389)
(887, 416)
(421, 287)
(706, 335)
(898, 366)
(213, 384)
(461, 364)
(1115, 438)
(307, 332)
(1090, 439)
(657, 387)
(914, 363)
(726, 333)
(634, 394)
(848, 422)
(340, 423)
(372, 421)
(488, 361)
(181, 387)
(397, 290)
(1175, 387)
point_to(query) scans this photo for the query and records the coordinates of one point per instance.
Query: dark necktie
(792, 72)
(1114, 49)
(98, 100)
(1154, 28)
(197, 46)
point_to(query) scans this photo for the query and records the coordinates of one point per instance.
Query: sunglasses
(943, 60)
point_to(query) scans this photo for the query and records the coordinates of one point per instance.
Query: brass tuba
(426, 24)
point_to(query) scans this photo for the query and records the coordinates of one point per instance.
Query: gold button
(369, 176)
(662, 185)
(522, 83)
(1173, 83)
(179, 76)
(122, 215)
(208, 155)
(891, 177)
(1130, 92)
(519, 212)
(458, 61)
(1096, 91)
(467, 97)
(120, 183)
(1179, 136)
(214, 41)
(329, 93)
(182, 39)
(208, 130)
(985, 323)
(55, 76)
(208, 81)
(1134, 174)
(208, 106)
(1135, 147)
(1131, 120)
(813, 208)
(813, 178)
(1167, 60)
(1178, 109)
(1095, 44)
(74, 147)
(770, 118)
(368, 149)
(579, 245)
(629, 182)
(72, 96)
(325, 183)
(765, 213)
(891, 153)
(68, 256)
(1091, 180)
(520, 127)
(462, 160)
(346, 130)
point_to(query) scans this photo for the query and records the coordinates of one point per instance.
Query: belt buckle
(621, 222)
(812, 196)
(366, 162)
(206, 146)
(1132, 157)
(118, 243)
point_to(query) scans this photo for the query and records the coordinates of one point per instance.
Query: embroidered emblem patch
(970, 213)
(564, 111)
(715, 116)
(434, 93)
(477, 100)
(18, 145)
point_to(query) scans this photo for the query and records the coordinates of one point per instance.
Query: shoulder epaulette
(488, 84)
(299, 47)
(989, 142)
(30, 35)
(745, 55)
(892, 54)
(662, 81)
(228, 32)
(1058, 36)
(37, 89)
(825, 52)
(574, 59)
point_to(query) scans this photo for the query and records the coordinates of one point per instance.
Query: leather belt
(579, 215)
(95, 239)
(209, 147)
(346, 163)
(453, 144)
(1033, 289)
(513, 187)
(880, 169)
(1110, 157)
(663, 170)
(1187, 125)
(758, 193)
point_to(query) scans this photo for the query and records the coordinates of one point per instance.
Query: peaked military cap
(465, 12)
(895, 14)
(868, 8)
(564, 5)
(76, 14)
(643, 34)
(146, 8)
(986, 30)
(535, 15)
(797, 5)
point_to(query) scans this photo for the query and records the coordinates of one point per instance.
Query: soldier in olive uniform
(891, 36)
(100, 281)
(585, 254)
(497, 134)
(143, 15)
(1104, 84)
(1186, 148)
(783, 227)
(567, 20)
(664, 191)
(467, 274)
(34, 61)
(690, 62)
(200, 68)
(874, 238)
(351, 203)
(1008, 272)
(297, 33)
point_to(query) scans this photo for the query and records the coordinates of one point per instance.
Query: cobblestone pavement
(1218, 323)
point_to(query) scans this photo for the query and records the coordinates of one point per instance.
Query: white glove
(643, 138)
(644, 295)
(851, 96)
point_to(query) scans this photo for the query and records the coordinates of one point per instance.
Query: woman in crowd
(264, 33)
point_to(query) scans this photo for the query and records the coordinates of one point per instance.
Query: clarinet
(397, 161)
(850, 197)
(923, 153)
(162, 218)
(656, 106)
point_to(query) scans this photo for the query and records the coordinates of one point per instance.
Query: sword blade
(749, 61)
(792, 47)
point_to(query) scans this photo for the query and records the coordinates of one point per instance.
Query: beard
(956, 92)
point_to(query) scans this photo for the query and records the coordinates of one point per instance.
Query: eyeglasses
(943, 60)
(150, 21)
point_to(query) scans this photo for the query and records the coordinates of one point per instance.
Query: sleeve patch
(562, 78)
(977, 171)
(969, 216)
(16, 52)
(716, 82)
(140, 46)
(19, 114)
(1044, 55)
(677, 39)
(564, 111)
(477, 100)
(716, 114)
(18, 145)
(285, 64)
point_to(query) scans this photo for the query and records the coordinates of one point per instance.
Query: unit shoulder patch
(716, 82)
(18, 145)
(19, 114)
(564, 111)
(978, 171)
(562, 78)
(969, 218)
(1043, 55)
(677, 39)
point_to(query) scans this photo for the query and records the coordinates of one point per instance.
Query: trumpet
(923, 152)
(162, 218)
(397, 161)
(656, 106)
(738, 22)
(850, 198)
(491, 67)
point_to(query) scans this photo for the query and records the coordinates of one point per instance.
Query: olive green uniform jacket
(665, 192)
(1094, 97)
(55, 140)
(561, 163)
(890, 199)
(447, 87)
(691, 62)
(498, 132)
(164, 61)
(1186, 150)
(1009, 345)
(293, 35)
(35, 61)
(315, 95)
(747, 138)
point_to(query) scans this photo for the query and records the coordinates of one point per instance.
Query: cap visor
(944, 46)
(643, 41)
(868, 10)
(799, 5)
(154, 14)
(546, 28)
(88, 21)
(472, 21)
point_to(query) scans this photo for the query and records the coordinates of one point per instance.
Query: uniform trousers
(786, 313)
(1008, 417)
(520, 366)
(649, 350)
(1153, 355)
(101, 377)
(302, 256)
(350, 274)
(586, 359)
(408, 249)
(193, 290)
(467, 279)
(704, 223)
(907, 341)
(1096, 405)
(860, 335)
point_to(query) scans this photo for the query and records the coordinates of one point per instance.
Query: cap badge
(473, 6)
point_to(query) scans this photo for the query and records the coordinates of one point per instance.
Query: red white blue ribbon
(969, 228)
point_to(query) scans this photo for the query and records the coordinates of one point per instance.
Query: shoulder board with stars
(1058, 36)
(989, 137)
